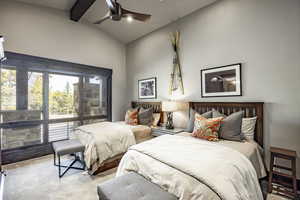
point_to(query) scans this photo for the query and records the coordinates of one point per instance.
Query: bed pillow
(190, 125)
(231, 126)
(156, 119)
(207, 129)
(145, 116)
(131, 117)
(248, 127)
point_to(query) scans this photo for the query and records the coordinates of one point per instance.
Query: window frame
(26, 63)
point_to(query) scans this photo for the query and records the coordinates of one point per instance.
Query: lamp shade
(1, 48)
(173, 106)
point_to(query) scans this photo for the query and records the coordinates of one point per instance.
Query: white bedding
(103, 141)
(193, 169)
(248, 148)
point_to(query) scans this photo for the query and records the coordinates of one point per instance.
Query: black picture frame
(152, 79)
(238, 81)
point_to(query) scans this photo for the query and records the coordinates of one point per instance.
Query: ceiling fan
(116, 13)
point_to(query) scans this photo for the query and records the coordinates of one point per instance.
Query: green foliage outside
(60, 102)
(8, 89)
(35, 93)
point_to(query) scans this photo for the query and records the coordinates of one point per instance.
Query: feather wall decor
(176, 76)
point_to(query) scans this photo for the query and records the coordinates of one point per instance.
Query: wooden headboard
(155, 105)
(251, 109)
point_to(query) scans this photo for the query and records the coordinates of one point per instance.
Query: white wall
(262, 34)
(49, 33)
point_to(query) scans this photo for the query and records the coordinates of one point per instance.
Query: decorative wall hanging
(221, 81)
(176, 76)
(147, 88)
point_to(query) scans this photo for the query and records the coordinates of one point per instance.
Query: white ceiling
(163, 12)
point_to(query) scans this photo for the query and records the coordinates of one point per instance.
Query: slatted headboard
(155, 105)
(251, 109)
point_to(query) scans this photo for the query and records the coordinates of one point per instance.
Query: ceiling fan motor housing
(117, 14)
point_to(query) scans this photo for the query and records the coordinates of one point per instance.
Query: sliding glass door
(44, 100)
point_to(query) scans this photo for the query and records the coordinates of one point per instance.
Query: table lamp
(1, 49)
(172, 106)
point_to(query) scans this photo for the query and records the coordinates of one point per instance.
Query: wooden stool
(283, 188)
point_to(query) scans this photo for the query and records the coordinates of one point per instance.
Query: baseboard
(25, 153)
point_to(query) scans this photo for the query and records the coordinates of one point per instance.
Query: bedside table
(282, 187)
(159, 131)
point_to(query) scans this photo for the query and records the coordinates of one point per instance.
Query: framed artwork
(222, 81)
(147, 88)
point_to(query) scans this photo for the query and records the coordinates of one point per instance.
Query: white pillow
(248, 127)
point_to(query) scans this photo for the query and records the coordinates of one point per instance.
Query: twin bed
(106, 142)
(191, 168)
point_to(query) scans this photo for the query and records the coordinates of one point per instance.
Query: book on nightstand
(161, 130)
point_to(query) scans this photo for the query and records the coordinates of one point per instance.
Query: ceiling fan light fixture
(116, 13)
(129, 18)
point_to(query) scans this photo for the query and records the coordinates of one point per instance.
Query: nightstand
(159, 131)
(278, 183)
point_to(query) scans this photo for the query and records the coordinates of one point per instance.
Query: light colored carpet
(37, 179)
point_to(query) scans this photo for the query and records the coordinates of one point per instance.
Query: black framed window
(44, 100)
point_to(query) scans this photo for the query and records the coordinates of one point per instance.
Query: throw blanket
(103, 141)
(191, 168)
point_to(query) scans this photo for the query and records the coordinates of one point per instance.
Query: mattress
(249, 148)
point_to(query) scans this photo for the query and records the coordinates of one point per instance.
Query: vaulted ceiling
(163, 12)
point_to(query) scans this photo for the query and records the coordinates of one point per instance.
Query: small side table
(160, 130)
(283, 188)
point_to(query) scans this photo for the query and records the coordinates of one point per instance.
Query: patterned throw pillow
(207, 129)
(131, 117)
(190, 125)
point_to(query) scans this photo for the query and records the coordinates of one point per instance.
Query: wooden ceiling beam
(79, 9)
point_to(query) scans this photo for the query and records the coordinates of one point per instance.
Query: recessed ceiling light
(129, 19)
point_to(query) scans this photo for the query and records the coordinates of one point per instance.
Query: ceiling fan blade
(112, 5)
(107, 16)
(135, 15)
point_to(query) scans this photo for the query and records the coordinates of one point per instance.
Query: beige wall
(262, 34)
(49, 33)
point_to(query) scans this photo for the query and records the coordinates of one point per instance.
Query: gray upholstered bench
(132, 187)
(66, 147)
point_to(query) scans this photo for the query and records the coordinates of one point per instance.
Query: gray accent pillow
(145, 116)
(231, 126)
(190, 125)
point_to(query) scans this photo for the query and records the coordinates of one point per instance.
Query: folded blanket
(193, 169)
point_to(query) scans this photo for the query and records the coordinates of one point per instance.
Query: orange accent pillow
(207, 129)
(131, 117)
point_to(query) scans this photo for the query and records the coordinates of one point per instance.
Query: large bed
(192, 168)
(106, 142)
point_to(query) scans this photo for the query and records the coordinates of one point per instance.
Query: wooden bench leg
(271, 173)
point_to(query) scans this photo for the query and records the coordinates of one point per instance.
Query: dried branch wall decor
(176, 76)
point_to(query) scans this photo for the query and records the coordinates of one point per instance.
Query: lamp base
(169, 124)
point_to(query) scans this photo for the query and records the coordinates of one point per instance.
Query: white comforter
(103, 141)
(191, 168)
